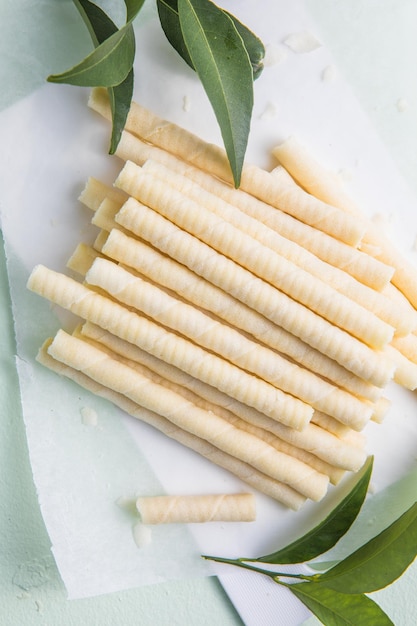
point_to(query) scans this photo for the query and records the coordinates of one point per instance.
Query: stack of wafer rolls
(258, 326)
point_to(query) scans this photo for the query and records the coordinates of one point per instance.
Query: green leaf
(108, 64)
(253, 45)
(169, 18)
(101, 27)
(326, 534)
(378, 562)
(170, 22)
(132, 9)
(337, 609)
(224, 68)
(120, 99)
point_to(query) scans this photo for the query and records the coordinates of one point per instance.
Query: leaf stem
(253, 568)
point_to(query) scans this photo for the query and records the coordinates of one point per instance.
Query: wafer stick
(122, 379)
(94, 307)
(311, 174)
(263, 483)
(316, 179)
(406, 370)
(227, 342)
(276, 306)
(317, 441)
(407, 346)
(168, 273)
(361, 266)
(186, 509)
(335, 473)
(95, 191)
(82, 258)
(258, 182)
(259, 259)
(402, 318)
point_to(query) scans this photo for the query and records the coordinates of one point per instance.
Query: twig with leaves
(225, 54)
(337, 597)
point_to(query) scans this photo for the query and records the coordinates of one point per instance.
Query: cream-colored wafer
(361, 266)
(187, 509)
(352, 354)
(254, 256)
(258, 182)
(82, 258)
(122, 379)
(252, 477)
(381, 408)
(311, 174)
(314, 440)
(406, 370)
(325, 185)
(94, 307)
(95, 191)
(407, 346)
(228, 343)
(402, 318)
(176, 277)
(334, 473)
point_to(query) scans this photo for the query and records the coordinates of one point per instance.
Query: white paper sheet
(52, 143)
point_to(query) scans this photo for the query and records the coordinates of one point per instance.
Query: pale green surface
(31, 591)
(374, 47)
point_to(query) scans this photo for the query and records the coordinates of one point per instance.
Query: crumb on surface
(302, 42)
(269, 112)
(274, 54)
(186, 104)
(142, 535)
(89, 416)
(402, 105)
(329, 74)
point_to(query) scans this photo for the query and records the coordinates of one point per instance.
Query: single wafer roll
(236, 507)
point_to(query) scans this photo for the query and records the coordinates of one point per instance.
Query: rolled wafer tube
(405, 371)
(211, 158)
(318, 441)
(254, 256)
(325, 185)
(227, 342)
(329, 424)
(96, 308)
(252, 477)
(407, 346)
(122, 379)
(400, 317)
(186, 509)
(365, 268)
(334, 473)
(95, 191)
(170, 274)
(311, 174)
(352, 354)
(82, 258)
